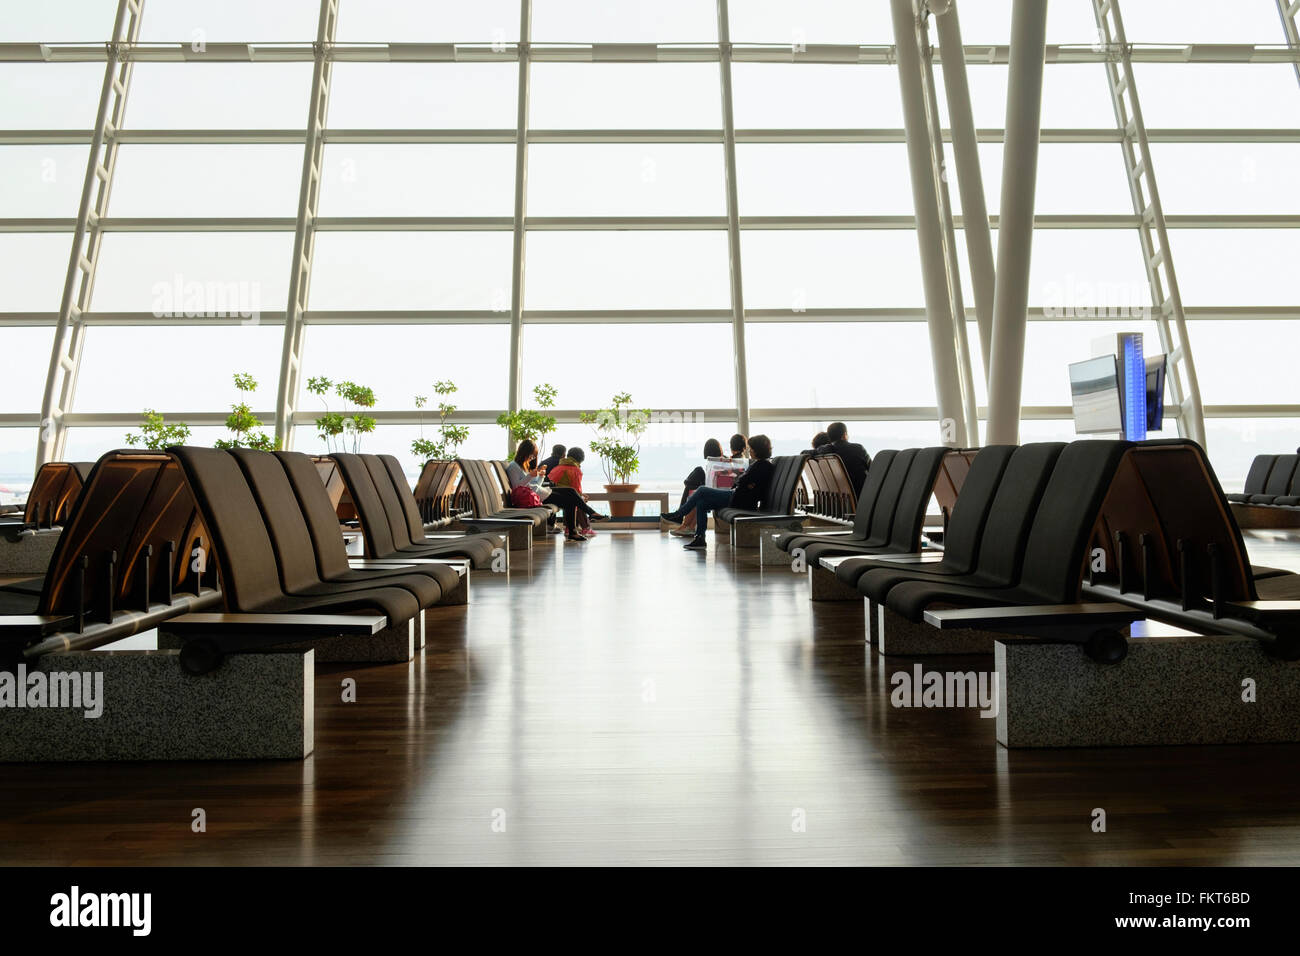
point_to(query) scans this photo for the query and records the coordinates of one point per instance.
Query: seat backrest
(497, 473)
(370, 509)
(331, 481)
(487, 501)
(1257, 477)
(54, 493)
(871, 492)
(970, 511)
(388, 498)
(1167, 492)
(1057, 547)
(787, 472)
(882, 520)
(914, 498)
(1279, 479)
(1011, 514)
(250, 577)
(294, 549)
(317, 511)
(136, 501)
(952, 474)
(405, 498)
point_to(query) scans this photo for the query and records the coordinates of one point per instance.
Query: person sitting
(749, 491)
(738, 444)
(557, 452)
(694, 481)
(568, 474)
(526, 477)
(855, 457)
(818, 440)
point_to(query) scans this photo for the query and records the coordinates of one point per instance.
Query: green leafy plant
(335, 428)
(450, 436)
(532, 423)
(156, 434)
(245, 427)
(618, 433)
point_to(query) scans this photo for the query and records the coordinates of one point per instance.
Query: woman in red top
(568, 474)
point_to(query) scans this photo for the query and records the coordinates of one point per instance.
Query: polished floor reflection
(626, 702)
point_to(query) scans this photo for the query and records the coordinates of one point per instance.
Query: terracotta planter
(621, 509)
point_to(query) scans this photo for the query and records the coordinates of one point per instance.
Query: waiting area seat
(53, 496)
(1271, 496)
(490, 512)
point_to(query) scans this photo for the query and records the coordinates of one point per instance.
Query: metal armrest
(1016, 618)
(920, 557)
(460, 565)
(290, 625)
(766, 517)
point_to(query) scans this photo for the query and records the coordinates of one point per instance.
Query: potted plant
(529, 422)
(618, 431)
(155, 434)
(450, 437)
(334, 427)
(241, 421)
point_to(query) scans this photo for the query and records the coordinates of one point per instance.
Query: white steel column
(1288, 10)
(934, 268)
(515, 393)
(970, 181)
(304, 237)
(1169, 318)
(1016, 218)
(733, 221)
(87, 238)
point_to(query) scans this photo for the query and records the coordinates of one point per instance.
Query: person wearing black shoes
(549, 464)
(747, 492)
(525, 472)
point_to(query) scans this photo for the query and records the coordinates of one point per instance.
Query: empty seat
(779, 498)
(1256, 478)
(1279, 480)
(1051, 568)
(408, 531)
(789, 540)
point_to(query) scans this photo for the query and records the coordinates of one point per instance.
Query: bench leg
(252, 707)
(769, 555)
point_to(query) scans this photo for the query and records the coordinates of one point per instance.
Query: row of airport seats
(53, 495)
(1271, 497)
(1050, 545)
(238, 559)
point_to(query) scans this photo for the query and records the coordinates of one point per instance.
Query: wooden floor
(625, 702)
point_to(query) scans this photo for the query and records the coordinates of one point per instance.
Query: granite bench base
(520, 536)
(253, 707)
(896, 635)
(769, 555)
(823, 585)
(27, 552)
(392, 645)
(1169, 690)
(748, 534)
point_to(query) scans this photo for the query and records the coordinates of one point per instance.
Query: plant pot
(621, 509)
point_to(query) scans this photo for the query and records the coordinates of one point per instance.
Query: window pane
(816, 96)
(1236, 266)
(69, 21)
(32, 270)
(209, 180)
(679, 382)
(810, 21)
(627, 270)
(1234, 443)
(471, 356)
(823, 179)
(231, 20)
(17, 463)
(1085, 269)
(1072, 178)
(1202, 21)
(219, 95)
(1247, 177)
(23, 383)
(833, 269)
(41, 181)
(422, 96)
(485, 441)
(1217, 95)
(670, 449)
(790, 438)
(90, 443)
(1075, 95)
(50, 95)
(226, 273)
(989, 21)
(626, 180)
(1235, 365)
(411, 270)
(625, 96)
(846, 364)
(418, 180)
(598, 21)
(190, 367)
(448, 21)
